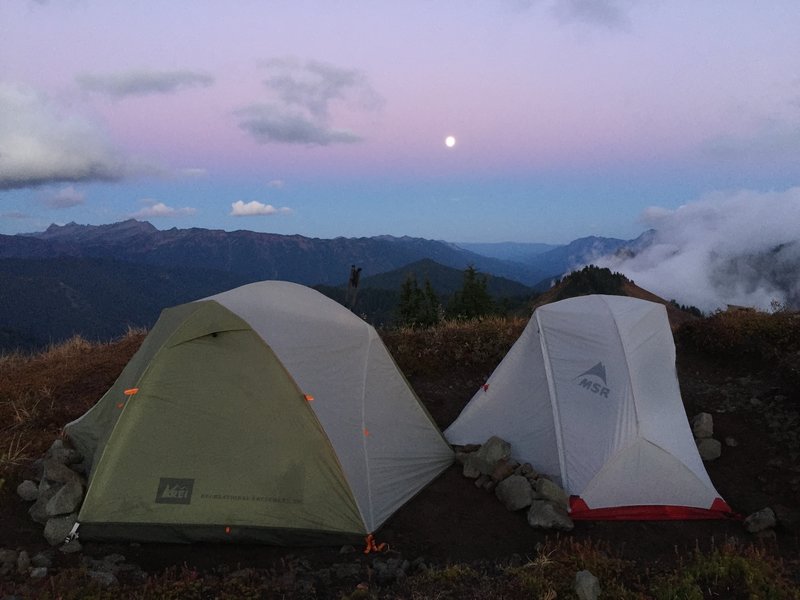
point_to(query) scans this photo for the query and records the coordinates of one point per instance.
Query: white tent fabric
(589, 395)
(387, 444)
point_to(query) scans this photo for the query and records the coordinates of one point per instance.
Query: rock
(490, 453)
(38, 572)
(391, 570)
(482, 480)
(514, 492)
(467, 448)
(586, 586)
(760, 520)
(38, 511)
(461, 457)
(23, 562)
(348, 549)
(527, 471)
(64, 453)
(503, 469)
(470, 468)
(42, 559)
(55, 471)
(57, 528)
(544, 489)
(28, 490)
(703, 426)
(66, 500)
(731, 442)
(8, 560)
(709, 448)
(73, 547)
(103, 578)
(546, 515)
(34, 470)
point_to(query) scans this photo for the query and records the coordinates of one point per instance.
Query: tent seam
(627, 363)
(364, 430)
(553, 401)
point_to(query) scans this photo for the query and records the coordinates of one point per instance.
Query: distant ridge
(254, 255)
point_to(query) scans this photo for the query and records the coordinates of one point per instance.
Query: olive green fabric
(217, 443)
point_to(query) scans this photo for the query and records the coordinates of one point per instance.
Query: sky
(324, 119)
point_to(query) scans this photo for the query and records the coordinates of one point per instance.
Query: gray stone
(57, 528)
(38, 572)
(8, 560)
(546, 515)
(586, 586)
(544, 489)
(63, 453)
(23, 562)
(470, 468)
(731, 442)
(514, 492)
(491, 452)
(461, 457)
(66, 500)
(28, 490)
(703, 425)
(526, 470)
(709, 448)
(482, 481)
(55, 471)
(42, 559)
(73, 547)
(103, 578)
(38, 511)
(760, 520)
(503, 469)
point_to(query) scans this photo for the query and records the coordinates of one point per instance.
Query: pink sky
(583, 114)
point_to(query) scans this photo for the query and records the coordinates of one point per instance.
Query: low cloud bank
(726, 248)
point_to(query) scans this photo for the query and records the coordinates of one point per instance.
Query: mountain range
(97, 280)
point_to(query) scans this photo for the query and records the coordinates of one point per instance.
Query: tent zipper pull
(73, 533)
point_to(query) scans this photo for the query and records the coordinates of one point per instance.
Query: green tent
(267, 413)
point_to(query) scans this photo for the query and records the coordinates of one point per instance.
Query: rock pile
(517, 486)
(56, 486)
(703, 430)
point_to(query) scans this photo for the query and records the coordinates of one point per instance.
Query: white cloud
(193, 172)
(66, 197)
(143, 83)
(41, 144)
(15, 214)
(271, 123)
(301, 95)
(155, 209)
(255, 208)
(725, 248)
(611, 14)
(276, 183)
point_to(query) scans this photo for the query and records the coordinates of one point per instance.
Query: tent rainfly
(589, 395)
(267, 413)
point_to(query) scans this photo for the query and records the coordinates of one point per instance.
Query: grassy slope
(38, 394)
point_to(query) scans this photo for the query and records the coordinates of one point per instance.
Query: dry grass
(41, 392)
(453, 344)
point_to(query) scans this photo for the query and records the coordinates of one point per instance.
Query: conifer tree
(473, 300)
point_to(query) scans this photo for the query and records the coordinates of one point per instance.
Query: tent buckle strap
(372, 546)
(73, 533)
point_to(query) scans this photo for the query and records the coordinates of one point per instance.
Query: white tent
(589, 395)
(387, 444)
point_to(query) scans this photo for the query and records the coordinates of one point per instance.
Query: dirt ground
(452, 520)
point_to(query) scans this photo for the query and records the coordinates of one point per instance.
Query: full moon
(449, 141)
